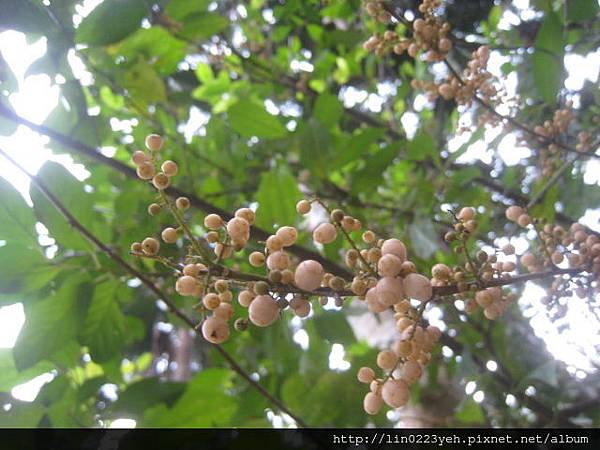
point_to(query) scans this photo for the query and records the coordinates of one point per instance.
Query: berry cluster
(475, 80)
(430, 34)
(402, 364)
(383, 275)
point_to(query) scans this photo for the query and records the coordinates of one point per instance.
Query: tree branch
(257, 233)
(150, 285)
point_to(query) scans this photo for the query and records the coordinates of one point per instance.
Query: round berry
(169, 235)
(394, 247)
(154, 209)
(146, 171)
(411, 371)
(224, 311)
(136, 247)
(215, 330)
(418, 287)
(302, 308)
(308, 275)
(303, 207)
(161, 181)
(257, 259)
(325, 233)
(247, 214)
(191, 269)
(390, 290)
(211, 301)
(245, 297)
(238, 229)
(288, 235)
(213, 222)
(169, 168)
(389, 265)
(513, 213)
(467, 213)
(186, 285)
(395, 393)
(154, 142)
(150, 246)
(365, 375)
(139, 157)
(278, 261)
(372, 403)
(263, 311)
(387, 360)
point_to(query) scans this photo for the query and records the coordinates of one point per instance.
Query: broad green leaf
(277, 196)
(50, 324)
(157, 46)
(315, 147)
(251, 119)
(111, 21)
(142, 394)
(205, 403)
(355, 146)
(143, 83)
(581, 10)
(328, 109)
(104, 326)
(11, 377)
(24, 270)
(469, 412)
(21, 415)
(70, 192)
(548, 69)
(370, 176)
(423, 237)
(333, 327)
(202, 26)
(179, 9)
(18, 221)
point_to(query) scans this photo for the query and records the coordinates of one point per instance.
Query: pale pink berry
(390, 290)
(215, 330)
(238, 229)
(213, 222)
(169, 168)
(278, 260)
(308, 275)
(395, 393)
(372, 403)
(365, 375)
(247, 214)
(186, 285)
(418, 287)
(169, 235)
(394, 247)
(514, 212)
(154, 142)
(325, 233)
(389, 265)
(387, 360)
(288, 235)
(263, 311)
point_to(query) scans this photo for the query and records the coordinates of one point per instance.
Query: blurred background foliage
(261, 102)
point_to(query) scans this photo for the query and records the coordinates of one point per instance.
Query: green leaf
(157, 45)
(142, 394)
(18, 221)
(315, 147)
(370, 176)
(334, 327)
(421, 147)
(111, 21)
(469, 412)
(581, 10)
(104, 326)
(250, 119)
(50, 324)
(202, 26)
(143, 83)
(205, 403)
(328, 109)
(548, 71)
(277, 196)
(70, 192)
(356, 145)
(179, 9)
(21, 415)
(424, 239)
(11, 377)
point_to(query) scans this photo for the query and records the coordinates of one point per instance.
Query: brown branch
(150, 285)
